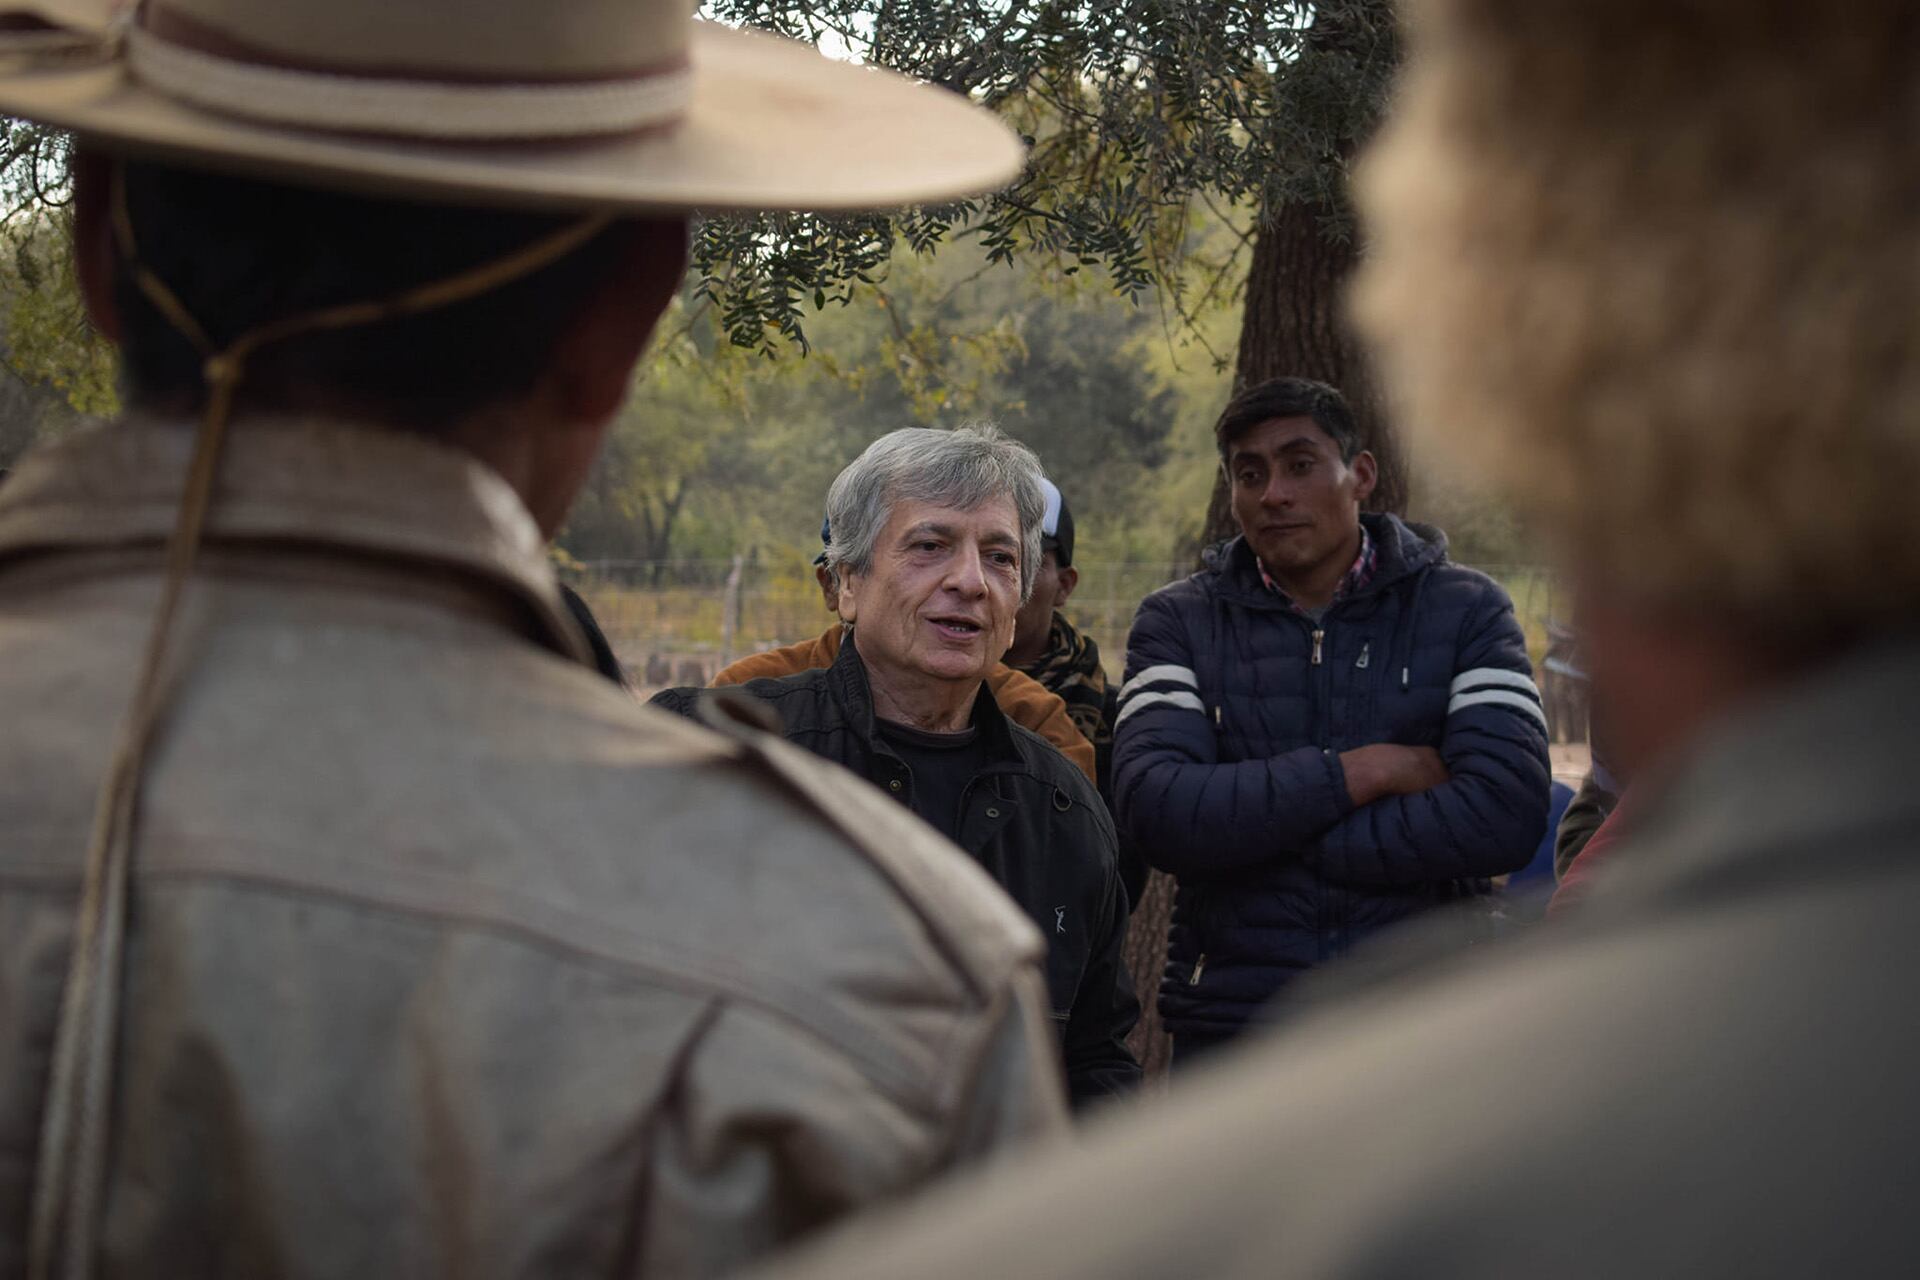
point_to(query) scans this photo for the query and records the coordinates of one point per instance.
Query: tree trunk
(659, 534)
(1145, 955)
(1295, 324)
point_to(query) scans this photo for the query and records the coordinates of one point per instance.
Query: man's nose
(1278, 492)
(967, 572)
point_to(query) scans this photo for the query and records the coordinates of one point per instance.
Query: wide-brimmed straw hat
(601, 104)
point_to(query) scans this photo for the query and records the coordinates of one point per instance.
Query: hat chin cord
(70, 1174)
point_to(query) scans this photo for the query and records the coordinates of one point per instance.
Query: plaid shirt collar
(1356, 577)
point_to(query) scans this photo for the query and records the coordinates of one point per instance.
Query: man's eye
(1301, 467)
(1005, 558)
(1249, 477)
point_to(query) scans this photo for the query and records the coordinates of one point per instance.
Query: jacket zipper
(1199, 967)
(1322, 696)
(1323, 717)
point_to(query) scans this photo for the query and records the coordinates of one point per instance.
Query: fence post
(730, 611)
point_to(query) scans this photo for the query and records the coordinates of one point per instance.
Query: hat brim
(773, 124)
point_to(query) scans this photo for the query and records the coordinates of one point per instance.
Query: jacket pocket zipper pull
(1318, 636)
(1366, 656)
(1199, 967)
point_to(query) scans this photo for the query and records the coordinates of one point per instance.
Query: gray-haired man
(936, 538)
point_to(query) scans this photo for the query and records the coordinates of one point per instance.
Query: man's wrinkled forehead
(952, 530)
(994, 521)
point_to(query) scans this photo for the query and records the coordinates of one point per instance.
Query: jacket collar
(1793, 789)
(309, 484)
(851, 690)
(1404, 549)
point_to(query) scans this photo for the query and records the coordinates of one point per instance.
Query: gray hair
(964, 469)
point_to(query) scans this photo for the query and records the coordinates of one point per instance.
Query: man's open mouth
(959, 627)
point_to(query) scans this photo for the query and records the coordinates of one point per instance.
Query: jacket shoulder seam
(983, 934)
(794, 1004)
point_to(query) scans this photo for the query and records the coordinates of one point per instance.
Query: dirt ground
(1570, 762)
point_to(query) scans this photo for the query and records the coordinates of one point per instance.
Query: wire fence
(687, 618)
(684, 613)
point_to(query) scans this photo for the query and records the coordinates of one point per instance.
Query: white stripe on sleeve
(1497, 697)
(1190, 700)
(1493, 677)
(1165, 673)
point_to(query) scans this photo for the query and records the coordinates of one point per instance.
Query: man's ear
(1069, 578)
(850, 584)
(1366, 474)
(96, 258)
(829, 587)
(593, 360)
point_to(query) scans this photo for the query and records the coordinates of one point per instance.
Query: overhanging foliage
(1137, 111)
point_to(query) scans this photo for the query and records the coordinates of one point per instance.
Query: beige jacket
(446, 957)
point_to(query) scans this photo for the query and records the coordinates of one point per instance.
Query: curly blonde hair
(1654, 266)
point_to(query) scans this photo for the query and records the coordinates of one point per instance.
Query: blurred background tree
(723, 451)
(1183, 226)
(57, 371)
(1145, 117)
(1189, 157)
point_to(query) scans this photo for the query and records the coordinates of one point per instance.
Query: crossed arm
(1379, 814)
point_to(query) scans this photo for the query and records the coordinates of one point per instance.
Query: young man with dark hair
(350, 924)
(1327, 732)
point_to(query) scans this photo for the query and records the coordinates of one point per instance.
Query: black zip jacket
(1030, 818)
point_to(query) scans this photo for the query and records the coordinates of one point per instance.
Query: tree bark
(1145, 955)
(658, 535)
(1295, 325)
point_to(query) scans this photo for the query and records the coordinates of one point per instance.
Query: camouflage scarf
(1071, 668)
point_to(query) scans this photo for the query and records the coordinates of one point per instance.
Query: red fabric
(1588, 862)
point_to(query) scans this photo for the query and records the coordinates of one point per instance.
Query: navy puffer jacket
(1226, 771)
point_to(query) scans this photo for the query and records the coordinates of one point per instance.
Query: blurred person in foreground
(1024, 700)
(350, 923)
(1676, 245)
(1328, 731)
(936, 535)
